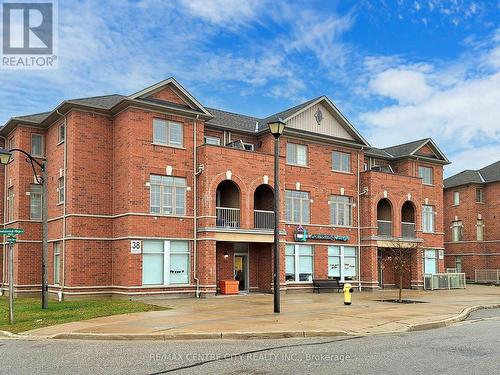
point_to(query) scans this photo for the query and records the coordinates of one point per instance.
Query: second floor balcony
(228, 212)
(385, 223)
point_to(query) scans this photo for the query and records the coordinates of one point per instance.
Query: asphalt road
(470, 347)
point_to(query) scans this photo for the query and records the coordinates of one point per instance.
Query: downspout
(4, 221)
(196, 172)
(359, 226)
(65, 158)
(359, 221)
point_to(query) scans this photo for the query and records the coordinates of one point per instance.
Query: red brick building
(472, 220)
(153, 193)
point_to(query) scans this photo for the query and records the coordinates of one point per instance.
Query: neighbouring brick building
(153, 193)
(472, 220)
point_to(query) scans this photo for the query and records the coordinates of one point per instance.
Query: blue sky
(399, 70)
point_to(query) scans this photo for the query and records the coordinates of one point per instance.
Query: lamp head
(5, 156)
(276, 127)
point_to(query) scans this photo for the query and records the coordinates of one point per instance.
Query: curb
(454, 319)
(6, 334)
(248, 335)
(196, 336)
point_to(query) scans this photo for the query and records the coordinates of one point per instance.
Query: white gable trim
(434, 147)
(344, 122)
(170, 82)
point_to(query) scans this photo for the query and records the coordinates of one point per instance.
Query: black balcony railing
(384, 228)
(408, 230)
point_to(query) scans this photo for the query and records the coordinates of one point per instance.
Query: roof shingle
(490, 173)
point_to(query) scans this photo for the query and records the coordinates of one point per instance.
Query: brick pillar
(369, 269)
(207, 270)
(417, 269)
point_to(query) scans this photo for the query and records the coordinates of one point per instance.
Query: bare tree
(400, 255)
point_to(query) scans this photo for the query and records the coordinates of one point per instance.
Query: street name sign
(11, 231)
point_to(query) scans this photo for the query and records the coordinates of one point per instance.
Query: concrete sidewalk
(302, 315)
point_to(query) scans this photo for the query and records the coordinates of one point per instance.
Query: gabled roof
(170, 82)
(490, 173)
(287, 113)
(406, 149)
(409, 149)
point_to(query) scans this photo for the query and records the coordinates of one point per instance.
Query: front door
(240, 271)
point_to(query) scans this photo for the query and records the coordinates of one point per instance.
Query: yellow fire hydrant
(348, 294)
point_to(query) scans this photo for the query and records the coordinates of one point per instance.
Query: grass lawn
(28, 313)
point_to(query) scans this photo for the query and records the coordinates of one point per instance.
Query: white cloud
(227, 13)
(320, 34)
(455, 103)
(468, 159)
(406, 85)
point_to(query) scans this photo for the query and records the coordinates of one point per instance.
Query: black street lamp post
(5, 156)
(276, 128)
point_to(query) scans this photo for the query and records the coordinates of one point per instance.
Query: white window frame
(480, 230)
(479, 192)
(57, 260)
(248, 146)
(457, 231)
(174, 188)
(292, 154)
(210, 140)
(61, 133)
(11, 145)
(435, 257)
(35, 192)
(456, 198)
(293, 203)
(297, 256)
(347, 211)
(344, 166)
(458, 264)
(342, 263)
(426, 173)
(10, 204)
(168, 130)
(167, 252)
(61, 196)
(42, 141)
(428, 212)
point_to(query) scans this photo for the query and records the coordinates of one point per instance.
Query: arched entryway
(384, 217)
(408, 220)
(263, 199)
(228, 204)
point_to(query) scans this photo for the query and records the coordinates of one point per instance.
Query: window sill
(292, 223)
(184, 216)
(343, 172)
(59, 203)
(298, 165)
(59, 143)
(430, 185)
(168, 146)
(163, 285)
(299, 282)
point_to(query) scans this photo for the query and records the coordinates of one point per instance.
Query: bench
(327, 284)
